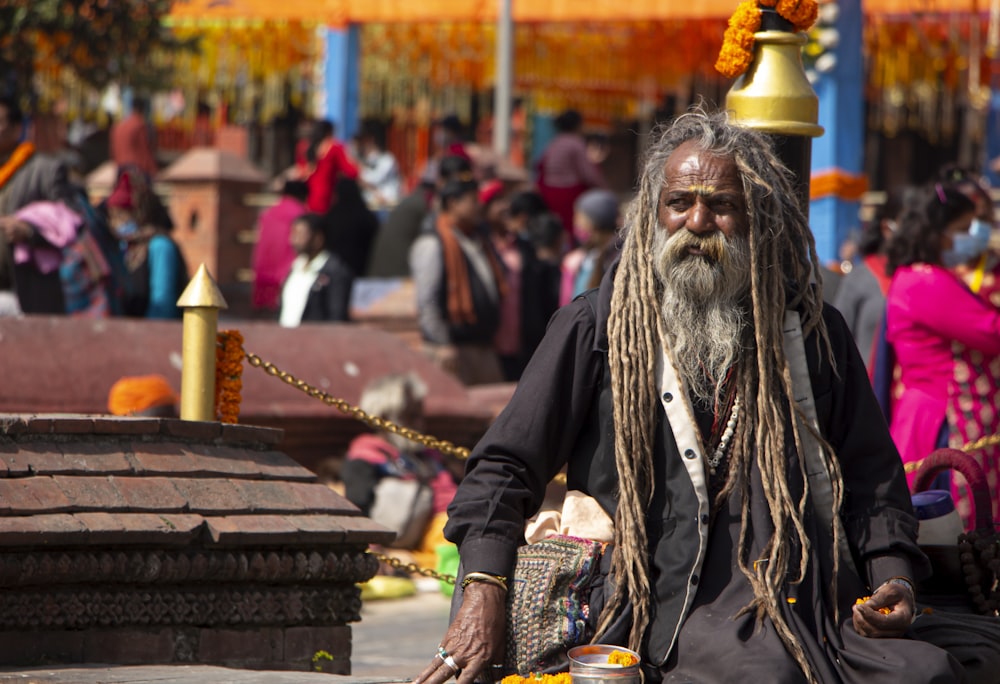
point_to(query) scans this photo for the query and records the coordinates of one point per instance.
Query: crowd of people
(491, 256)
(61, 254)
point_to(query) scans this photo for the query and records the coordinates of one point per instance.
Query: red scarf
(461, 309)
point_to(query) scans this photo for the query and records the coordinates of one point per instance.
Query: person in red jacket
(331, 164)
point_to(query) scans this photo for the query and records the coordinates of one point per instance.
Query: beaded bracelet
(497, 580)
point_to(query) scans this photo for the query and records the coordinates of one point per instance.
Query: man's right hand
(475, 639)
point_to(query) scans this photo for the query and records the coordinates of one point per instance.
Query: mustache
(713, 246)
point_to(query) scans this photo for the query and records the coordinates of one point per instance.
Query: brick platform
(164, 541)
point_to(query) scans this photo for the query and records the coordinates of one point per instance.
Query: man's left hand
(869, 622)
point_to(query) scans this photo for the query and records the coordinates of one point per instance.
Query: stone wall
(164, 541)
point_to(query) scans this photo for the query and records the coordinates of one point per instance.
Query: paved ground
(398, 638)
(392, 643)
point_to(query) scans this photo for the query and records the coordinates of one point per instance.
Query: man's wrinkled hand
(869, 622)
(475, 640)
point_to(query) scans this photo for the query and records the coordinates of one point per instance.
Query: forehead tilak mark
(701, 189)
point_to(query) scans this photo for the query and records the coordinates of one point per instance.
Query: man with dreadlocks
(672, 397)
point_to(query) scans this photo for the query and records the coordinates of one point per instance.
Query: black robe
(561, 414)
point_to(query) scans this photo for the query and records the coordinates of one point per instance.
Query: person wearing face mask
(946, 339)
(156, 274)
(981, 271)
(595, 228)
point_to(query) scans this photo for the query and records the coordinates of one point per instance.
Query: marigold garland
(228, 375)
(738, 41)
(558, 678)
(21, 154)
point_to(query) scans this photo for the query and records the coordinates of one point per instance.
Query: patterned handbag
(548, 603)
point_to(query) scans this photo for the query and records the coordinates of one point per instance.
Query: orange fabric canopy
(340, 11)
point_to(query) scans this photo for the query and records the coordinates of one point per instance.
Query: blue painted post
(543, 129)
(992, 140)
(341, 79)
(837, 157)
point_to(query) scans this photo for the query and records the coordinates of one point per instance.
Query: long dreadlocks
(783, 262)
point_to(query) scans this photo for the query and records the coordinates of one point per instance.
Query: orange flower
(885, 610)
(738, 41)
(558, 678)
(802, 13)
(622, 658)
(228, 375)
(737, 44)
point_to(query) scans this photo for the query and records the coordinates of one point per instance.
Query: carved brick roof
(94, 481)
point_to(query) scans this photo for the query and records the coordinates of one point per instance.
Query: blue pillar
(341, 79)
(992, 139)
(543, 129)
(837, 156)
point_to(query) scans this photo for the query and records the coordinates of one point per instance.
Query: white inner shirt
(297, 286)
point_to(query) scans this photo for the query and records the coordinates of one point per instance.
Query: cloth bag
(405, 507)
(548, 597)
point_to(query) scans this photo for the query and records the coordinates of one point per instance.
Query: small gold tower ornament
(762, 49)
(201, 301)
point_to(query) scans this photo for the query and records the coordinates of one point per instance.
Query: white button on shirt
(298, 284)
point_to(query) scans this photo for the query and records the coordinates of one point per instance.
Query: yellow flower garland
(558, 678)
(228, 375)
(737, 45)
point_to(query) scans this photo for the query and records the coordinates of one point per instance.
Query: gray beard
(703, 307)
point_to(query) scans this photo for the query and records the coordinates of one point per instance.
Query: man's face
(701, 251)
(302, 239)
(10, 134)
(702, 194)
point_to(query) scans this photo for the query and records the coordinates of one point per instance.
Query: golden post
(774, 96)
(201, 301)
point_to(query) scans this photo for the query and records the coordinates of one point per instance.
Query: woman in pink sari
(941, 333)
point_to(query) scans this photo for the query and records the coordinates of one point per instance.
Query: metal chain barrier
(412, 568)
(982, 443)
(376, 423)
(978, 445)
(345, 407)
(349, 409)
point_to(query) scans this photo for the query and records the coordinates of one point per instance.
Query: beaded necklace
(727, 436)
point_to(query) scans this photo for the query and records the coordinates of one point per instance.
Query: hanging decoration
(737, 46)
(252, 69)
(925, 69)
(602, 68)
